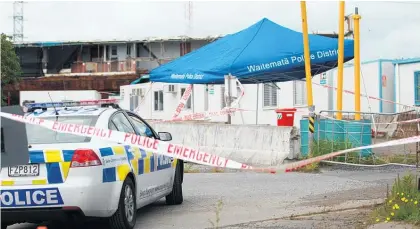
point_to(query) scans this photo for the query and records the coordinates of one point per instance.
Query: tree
(10, 66)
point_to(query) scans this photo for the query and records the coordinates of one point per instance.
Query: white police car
(66, 177)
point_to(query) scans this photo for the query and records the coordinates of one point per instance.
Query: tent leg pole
(192, 98)
(258, 99)
(229, 100)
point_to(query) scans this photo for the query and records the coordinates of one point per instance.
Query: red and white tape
(236, 102)
(368, 96)
(183, 101)
(206, 114)
(203, 115)
(149, 144)
(184, 152)
(144, 98)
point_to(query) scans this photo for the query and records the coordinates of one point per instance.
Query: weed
(217, 170)
(323, 147)
(218, 209)
(400, 159)
(188, 168)
(402, 203)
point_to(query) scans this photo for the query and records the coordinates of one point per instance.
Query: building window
(158, 100)
(299, 93)
(270, 95)
(417, 88)
(114, 50)
(188, 103)
(128, 49)
(134, 99)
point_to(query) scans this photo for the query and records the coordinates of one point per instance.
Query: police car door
(163, 165)
(144, 163)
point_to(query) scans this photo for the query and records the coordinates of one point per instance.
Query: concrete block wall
(258, 145)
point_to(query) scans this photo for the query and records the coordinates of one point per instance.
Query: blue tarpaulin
(263, 52)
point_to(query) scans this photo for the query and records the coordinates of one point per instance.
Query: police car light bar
(30, 107)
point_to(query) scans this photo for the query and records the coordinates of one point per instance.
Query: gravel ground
(250, 199)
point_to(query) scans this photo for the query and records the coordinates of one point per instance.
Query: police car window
(141, 127)
(112, 126)
(40, 135)
(122, 123)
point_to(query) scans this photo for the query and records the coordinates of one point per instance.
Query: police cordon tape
(183, 101)
(184, 152)
(202, 115)
(367, 96)
(144, 98)
(148, 144)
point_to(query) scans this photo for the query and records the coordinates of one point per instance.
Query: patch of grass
(403, 202)
(323, 147)
(400, 159)
(217, 170)
(189, 168)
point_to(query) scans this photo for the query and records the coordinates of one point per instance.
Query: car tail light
(85, 158)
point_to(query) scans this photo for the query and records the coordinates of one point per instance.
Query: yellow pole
(356, 18)
(340, 61)
(311, 108)
(306, 54)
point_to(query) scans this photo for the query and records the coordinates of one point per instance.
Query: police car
(66, 177)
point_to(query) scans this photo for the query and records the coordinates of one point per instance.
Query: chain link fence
(332, 135)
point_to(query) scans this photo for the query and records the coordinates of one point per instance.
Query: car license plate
(24, 170)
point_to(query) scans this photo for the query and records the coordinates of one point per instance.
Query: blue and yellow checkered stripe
(57, 165)
(139, 162)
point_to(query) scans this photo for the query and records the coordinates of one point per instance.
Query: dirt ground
(347, 219)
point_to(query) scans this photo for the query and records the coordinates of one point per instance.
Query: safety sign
(323, 79)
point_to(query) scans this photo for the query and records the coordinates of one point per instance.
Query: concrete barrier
(251, 144)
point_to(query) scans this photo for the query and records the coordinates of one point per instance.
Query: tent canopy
(142, 79)
(263, 52)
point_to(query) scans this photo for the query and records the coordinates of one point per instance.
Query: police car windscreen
(40, 135)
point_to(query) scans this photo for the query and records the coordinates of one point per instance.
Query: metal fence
(332, 135)
(105, 66)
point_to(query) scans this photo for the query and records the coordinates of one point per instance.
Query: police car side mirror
(165, 136)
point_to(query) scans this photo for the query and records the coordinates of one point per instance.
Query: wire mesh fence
(332, 135)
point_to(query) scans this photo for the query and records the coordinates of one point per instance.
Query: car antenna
(55, 109)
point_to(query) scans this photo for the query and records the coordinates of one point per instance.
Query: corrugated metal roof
(90, 42)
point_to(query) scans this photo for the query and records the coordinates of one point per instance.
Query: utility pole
(356, 18)
(340, 59)
(308, 73)
(18, 21)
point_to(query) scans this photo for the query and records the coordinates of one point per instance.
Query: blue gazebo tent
(264, 52)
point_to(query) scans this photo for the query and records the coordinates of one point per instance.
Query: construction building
(94, 65)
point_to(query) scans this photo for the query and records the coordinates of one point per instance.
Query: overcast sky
(389, 29)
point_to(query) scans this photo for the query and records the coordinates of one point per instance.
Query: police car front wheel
(125, 216)
(176, 197)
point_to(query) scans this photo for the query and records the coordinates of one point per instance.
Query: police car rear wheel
(176, 197)
(125, 216)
